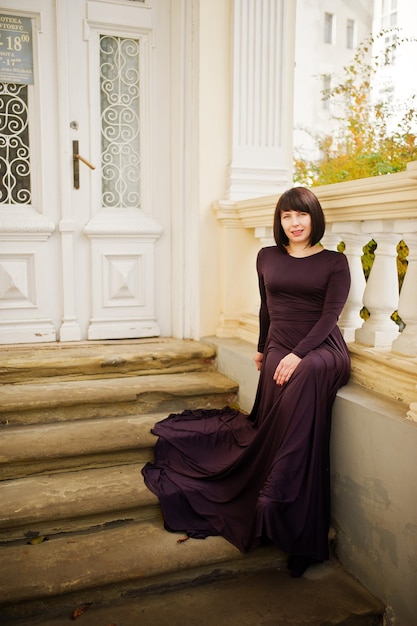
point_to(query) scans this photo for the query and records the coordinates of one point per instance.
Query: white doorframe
(185, 169)
(70, 328)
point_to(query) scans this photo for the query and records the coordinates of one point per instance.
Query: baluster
(381, 295)
(331, 240)
(406, 343)
(350, 319)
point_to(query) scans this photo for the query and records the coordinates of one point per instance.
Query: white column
(263, 67)
(381, 293)
(406, 343)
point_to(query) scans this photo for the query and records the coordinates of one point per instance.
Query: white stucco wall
(214, 130)
(374, 499)
(265, 157)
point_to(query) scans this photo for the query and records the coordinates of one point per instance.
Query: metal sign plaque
(16, 53)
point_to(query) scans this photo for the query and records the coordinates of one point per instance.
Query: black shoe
(297, 564)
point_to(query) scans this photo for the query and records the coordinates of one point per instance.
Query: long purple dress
(266, 474)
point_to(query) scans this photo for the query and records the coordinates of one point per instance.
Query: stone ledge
(380, 370)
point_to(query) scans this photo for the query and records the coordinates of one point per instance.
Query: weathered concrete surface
(130, 395)
(325, 596)
(55, 502)
(128, 556)
(45, 441)
(103, 359)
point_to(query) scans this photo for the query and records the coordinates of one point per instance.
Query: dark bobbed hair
(302, 200)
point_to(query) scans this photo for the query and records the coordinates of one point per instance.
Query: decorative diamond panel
(123, 280)
(16, 281)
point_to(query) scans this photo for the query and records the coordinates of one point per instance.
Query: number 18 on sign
(16, 55)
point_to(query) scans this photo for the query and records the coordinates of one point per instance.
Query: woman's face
(297, 227)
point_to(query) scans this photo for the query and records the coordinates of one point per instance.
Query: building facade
(396, 45)
(327, 35)
(122, 121)
(328, 32)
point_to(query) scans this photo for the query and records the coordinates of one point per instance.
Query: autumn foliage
(372, 137)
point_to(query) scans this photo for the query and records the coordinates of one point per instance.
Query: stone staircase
(77, 524)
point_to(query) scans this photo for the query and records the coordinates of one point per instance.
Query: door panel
(90, 272)
(28, 218)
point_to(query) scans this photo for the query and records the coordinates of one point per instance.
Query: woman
(266, 475)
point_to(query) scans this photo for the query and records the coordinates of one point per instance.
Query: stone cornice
(393, 196)
(380, 197)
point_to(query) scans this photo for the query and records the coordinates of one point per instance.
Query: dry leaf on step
(35, 540)
(80, 610)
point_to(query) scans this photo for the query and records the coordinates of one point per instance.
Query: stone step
(141, 574)
(103, 359)
(81, 444)
(73, 501)
(56, 401)
(326, 596)
(126, 557)
(77, 524)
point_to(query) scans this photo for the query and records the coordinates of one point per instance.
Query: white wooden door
(79, 256)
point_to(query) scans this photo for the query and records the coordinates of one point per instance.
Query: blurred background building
(327, 35)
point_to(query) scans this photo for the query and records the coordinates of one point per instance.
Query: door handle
(76, 158)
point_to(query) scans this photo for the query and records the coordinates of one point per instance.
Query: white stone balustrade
(355, 240)
(381, 291)
(406, 343)
(384, 209)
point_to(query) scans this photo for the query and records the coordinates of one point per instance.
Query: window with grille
(120, 121)
(15, 185)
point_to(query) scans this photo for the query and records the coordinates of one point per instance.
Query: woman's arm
(263, 311)
(258, 358)
(336, 295)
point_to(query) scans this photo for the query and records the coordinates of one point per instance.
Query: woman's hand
(285, 368)
(258, 360)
